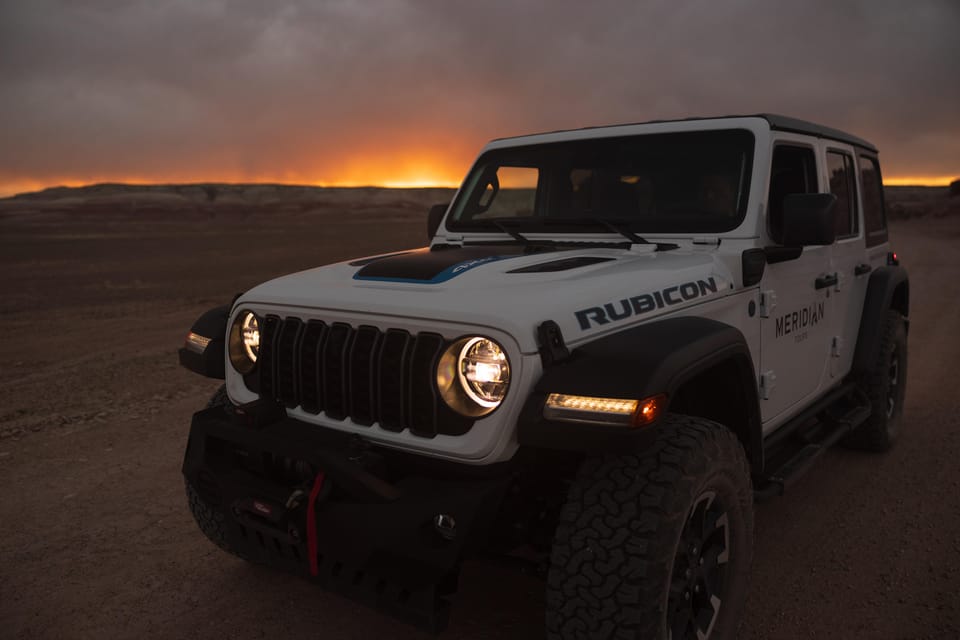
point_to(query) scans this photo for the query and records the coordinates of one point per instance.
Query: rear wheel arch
(888, 289)
(901, 299)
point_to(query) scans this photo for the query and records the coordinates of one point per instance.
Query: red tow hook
(312, 523)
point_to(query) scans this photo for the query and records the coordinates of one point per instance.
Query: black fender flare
(210, 361)
(640, 362)
(882, 295)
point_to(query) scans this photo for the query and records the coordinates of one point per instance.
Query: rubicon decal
(645, 302)
(798, 320)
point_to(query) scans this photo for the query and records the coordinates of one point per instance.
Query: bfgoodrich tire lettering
(623, 548)
(885, 385)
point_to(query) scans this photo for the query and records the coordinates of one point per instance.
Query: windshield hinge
(552, 347)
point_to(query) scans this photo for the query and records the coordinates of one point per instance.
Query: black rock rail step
(831, 418)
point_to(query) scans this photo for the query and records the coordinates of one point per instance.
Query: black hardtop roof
(777, 123)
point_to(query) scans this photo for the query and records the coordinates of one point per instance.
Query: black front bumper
(375, 537)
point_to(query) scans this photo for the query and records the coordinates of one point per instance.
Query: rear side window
(793, 170)
(841, 172)
(871, 186)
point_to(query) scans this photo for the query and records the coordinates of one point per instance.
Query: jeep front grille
(361, 373)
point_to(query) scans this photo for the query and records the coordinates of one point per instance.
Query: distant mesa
(219, 198)
(214, 198)
(200, 192)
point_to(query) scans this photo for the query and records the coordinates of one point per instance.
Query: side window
(841, 172)
(513, 194)
(793, 170)
(874, 219)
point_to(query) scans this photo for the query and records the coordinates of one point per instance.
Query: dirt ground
(95, 536)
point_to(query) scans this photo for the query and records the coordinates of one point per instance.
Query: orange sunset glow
(404, 94)
(424, 170)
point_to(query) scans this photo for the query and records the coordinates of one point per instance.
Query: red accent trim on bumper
(312, 523)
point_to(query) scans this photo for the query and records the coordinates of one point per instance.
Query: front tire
(658, 544)
(210, 518)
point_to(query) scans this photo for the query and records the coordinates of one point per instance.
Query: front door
(797, 299)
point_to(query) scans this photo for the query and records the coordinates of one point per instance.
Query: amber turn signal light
(649, 409)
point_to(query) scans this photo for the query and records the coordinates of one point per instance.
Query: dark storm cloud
(249, 88)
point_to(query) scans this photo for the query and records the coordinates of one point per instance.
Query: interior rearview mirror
(809, 219)
(434, 218)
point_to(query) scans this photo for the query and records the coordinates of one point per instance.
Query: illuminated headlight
(473, 376)
(244, 342)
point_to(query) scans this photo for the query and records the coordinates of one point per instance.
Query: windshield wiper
(622, 230)
(616, 225)
(516, 235)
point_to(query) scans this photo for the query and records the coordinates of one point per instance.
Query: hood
(585, 290)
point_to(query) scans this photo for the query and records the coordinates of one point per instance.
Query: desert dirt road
(96, 540)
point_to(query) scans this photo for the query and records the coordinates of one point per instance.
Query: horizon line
(906, 181)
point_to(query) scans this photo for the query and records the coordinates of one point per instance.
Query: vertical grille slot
(311, 396)
(288, 357)
(392, 379)
(268, 360)
(423, 394)
(362, 383)
(333, 367)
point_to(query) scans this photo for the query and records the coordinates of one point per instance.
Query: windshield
(656, 183)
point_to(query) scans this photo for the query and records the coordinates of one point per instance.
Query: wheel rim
(698, 578)
(893, 376)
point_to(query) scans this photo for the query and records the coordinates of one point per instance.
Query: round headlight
(473, 375)
(244, 342)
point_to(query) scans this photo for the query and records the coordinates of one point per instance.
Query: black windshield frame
(678, 163)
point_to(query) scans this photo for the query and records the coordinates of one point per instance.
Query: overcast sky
(378, 91)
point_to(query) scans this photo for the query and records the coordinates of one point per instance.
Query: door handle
(826, 281)
(861, 269)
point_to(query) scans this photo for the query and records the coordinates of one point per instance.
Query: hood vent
(562, 265)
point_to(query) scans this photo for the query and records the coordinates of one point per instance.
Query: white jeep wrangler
(618, 338)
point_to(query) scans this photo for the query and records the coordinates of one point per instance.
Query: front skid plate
(380, 549)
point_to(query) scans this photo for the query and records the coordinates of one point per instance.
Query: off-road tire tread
(210, 519)
(219, 398)
(615, 541)
(874, 434)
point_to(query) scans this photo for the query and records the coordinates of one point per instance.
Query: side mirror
(434, 218)
(809, 219)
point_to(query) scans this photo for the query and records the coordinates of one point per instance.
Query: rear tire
(658, 544)
(885, 385)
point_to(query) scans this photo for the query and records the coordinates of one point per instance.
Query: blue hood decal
(436, 266)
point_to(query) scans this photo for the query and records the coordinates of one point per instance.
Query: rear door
(849, 257)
